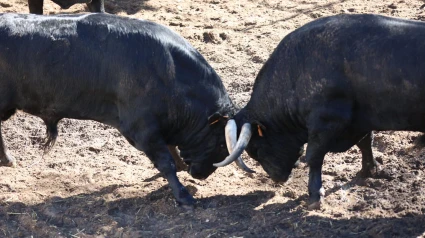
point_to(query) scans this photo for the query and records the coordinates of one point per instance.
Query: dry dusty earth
(94, 184)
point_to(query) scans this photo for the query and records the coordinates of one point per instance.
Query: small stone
(392, 6)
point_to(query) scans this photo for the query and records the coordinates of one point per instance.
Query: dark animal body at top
(137, 76)
(36, 6)
(330, 83)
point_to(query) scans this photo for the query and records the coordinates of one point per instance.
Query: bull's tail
(52, 134)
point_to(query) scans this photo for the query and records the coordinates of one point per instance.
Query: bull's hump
(14, 17)
(130, 25)
(20, 24)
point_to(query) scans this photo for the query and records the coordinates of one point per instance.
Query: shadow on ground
(88, 215)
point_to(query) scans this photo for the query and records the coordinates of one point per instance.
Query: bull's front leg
(315, 156)
(326, 125)
(5, 158)
(151, 142)
(164, 162)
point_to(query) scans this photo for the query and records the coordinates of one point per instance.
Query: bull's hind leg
(149, 140)
(369, 164)
(6, 159)
(51, 132)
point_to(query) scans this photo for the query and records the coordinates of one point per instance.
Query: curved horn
(242, 165)
(231, 139)
(240, 146)
(230, 132)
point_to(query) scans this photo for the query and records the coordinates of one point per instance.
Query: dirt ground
(94, 184)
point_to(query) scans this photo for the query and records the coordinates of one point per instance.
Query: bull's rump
(384, 63)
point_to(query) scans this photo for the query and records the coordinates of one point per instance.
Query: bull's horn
(230, 132)
(231, 139)
(240, 145)
(242, 165)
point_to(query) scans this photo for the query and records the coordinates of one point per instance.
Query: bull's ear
(259, 127)
(217, 118)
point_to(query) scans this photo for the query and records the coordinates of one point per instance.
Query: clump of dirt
(94, 184)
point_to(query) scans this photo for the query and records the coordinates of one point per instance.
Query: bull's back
(375, 63)
(78, 65)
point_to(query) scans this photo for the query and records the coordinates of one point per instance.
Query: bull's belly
(104, 112)
(365, 123)
(347, 139)
(390, 121)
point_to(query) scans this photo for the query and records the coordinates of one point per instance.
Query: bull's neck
(281, 121)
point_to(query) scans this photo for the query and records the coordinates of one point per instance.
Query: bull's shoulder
(146, 32)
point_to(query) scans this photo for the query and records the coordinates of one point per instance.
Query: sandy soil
(94, 184)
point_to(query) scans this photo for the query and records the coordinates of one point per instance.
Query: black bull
(329, 84)
(135, 75)
(36, 6)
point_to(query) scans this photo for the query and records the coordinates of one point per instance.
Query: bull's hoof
(315, 202)
(188, 207)
(314, 205)
(184, 199)
(8, 160)
(372, 172)
(188, 203)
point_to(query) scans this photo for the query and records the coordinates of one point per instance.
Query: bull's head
(218, 145)
(276, 152)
